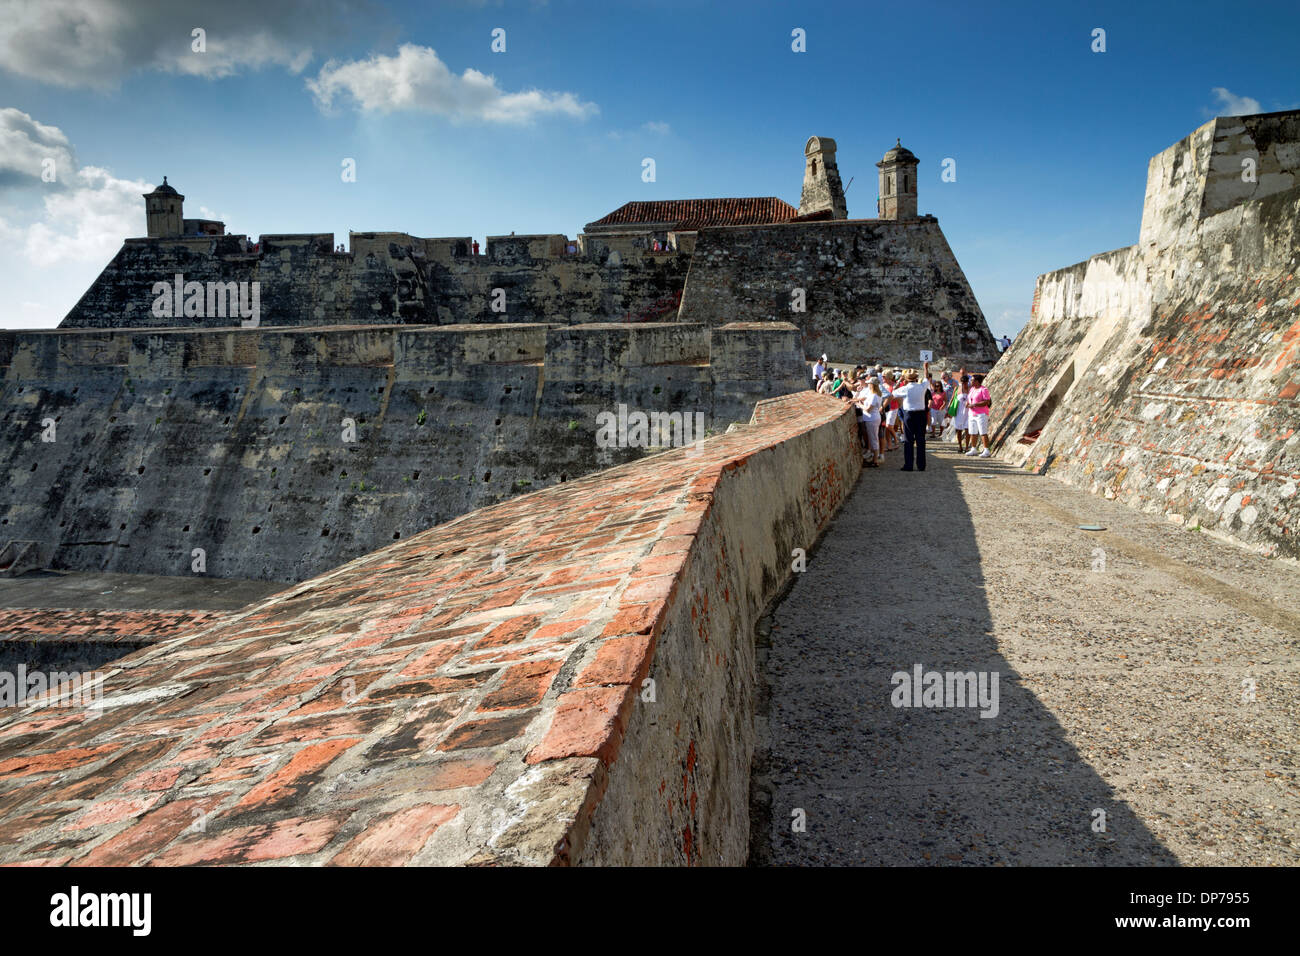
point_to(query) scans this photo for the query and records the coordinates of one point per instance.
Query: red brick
(651, 589)
(352, 723)
(433, 687)
(501, 599)
(345, 692)
(487, 733)
(620, 660)
(634, 619)
(113, 811)
(273, 841)
(163, 779)
(509, 632)
(393, 839)
(150, 833)
(672, 545)
(559, 629)
(297, 776)
(432, 659)
(58, 760)
(588, 722)
(523, 685)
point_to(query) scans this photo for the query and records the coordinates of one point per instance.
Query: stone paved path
(1124, 689)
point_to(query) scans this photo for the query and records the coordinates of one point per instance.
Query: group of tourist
(898, 408)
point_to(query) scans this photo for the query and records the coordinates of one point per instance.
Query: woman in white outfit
(869, 402)
(959, 420)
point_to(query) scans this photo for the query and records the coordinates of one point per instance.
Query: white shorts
(978, 424)
(936, 416)
(892, 418)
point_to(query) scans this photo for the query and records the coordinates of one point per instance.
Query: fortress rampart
(1166, 374)
(280, 453)
(873, 289)
(390, 277)
(587, 699)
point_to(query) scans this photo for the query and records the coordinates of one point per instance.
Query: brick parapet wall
(475, 694)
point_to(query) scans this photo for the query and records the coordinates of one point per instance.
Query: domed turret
(164, 218)
(897, 183)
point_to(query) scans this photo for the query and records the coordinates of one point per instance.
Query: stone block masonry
(279, 453)
(1167, 375)
(387, 278)
(874, 290)
(565, 677)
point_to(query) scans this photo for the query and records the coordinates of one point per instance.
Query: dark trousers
(914, 424)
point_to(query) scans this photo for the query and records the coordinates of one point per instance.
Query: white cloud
(417, 80)
(86, 222)
(1230, 104)
(655, 126)
(25, 145)
(84, 214)
(74, 43)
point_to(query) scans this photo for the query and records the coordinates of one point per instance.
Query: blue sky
(1051, 140)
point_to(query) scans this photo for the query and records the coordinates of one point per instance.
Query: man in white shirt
(819, 370)
(914, 398)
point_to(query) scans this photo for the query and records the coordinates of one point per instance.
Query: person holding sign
(914, 397)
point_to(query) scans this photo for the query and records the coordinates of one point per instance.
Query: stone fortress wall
(1166, 374)
(232, 440)
(879, 289)
(874, 289)
(390, 277)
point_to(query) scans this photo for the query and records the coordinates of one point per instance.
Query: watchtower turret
(162, 212)
(897, 183)
(822, 189)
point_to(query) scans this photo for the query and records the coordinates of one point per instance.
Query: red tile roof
(697, 213)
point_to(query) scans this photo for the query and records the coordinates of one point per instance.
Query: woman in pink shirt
(978, 405)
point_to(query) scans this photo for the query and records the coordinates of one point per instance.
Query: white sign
(927, 356)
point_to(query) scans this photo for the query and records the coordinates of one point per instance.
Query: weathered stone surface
(1166, 374)
(233, 441)
(388, 278)
(874, 290)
